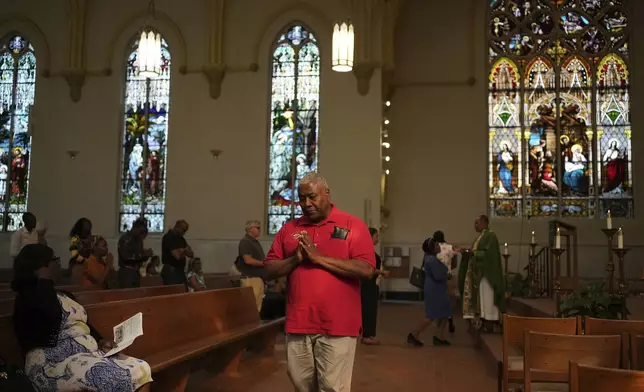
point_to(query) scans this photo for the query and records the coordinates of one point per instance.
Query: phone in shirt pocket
(340, 233)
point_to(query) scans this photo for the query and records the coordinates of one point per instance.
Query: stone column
(76, 71)
(215, 69)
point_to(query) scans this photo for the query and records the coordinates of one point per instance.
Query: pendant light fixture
(148, 55)
(343, 44)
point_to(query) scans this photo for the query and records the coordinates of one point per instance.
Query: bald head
(481, 223)
(315, 198)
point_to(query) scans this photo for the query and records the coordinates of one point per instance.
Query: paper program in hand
(126, 332)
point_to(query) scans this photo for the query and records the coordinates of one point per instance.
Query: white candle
(609, 221)
(558, 239)
(505, 249)
(533, 239)
(620, 239)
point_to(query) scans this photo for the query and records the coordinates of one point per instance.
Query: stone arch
(28, 28)
(119, 44)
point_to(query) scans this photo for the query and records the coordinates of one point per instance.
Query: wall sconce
(72, 153)
(215, 153)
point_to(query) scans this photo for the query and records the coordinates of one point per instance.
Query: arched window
(145, 138)
(558, 102)
(293, 134)
(17, 91)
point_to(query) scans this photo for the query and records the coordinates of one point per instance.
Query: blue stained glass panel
(145, 136)
(17, 93)
(293, 138)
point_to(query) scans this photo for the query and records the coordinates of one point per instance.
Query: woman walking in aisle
(437, 304)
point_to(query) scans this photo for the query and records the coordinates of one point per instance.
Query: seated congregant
(79, 248)
(62, 351)
(99, 265)
(194, 277)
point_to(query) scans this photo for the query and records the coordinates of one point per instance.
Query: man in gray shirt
(251, 261)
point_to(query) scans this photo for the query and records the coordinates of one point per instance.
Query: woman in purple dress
(438, 307)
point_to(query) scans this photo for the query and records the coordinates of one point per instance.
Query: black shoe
(412, 341)
(451, 326)
(440, 342)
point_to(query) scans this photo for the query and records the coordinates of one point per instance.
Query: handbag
(417, 277)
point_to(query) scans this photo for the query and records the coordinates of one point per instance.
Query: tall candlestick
(505, 249)
(558, 239)
(620, 239)
(533, 239)
(609, 221)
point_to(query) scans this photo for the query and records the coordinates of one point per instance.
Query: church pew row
(513, 341)
(8, 293)
(586, 378)
(208, 330)
(92, 296)
(98, 296)
(595, 326)
(547, 357)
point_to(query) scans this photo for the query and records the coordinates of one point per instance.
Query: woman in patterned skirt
(62, 351)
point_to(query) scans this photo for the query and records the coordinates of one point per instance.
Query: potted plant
(593, 301)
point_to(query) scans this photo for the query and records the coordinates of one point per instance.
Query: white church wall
(216, 196)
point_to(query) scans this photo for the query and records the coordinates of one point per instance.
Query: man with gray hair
(325, 253)
(250, 261)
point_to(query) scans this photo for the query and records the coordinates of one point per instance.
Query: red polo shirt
(320, 301)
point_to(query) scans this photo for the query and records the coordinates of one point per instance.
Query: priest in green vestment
(481, 277)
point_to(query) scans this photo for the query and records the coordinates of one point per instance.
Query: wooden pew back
(514, 328)
(595, 326)
(8, 293)
(175, 320)
(221, 281)
(547, 356)
(97, 296)
(585, 378)
(637, 351)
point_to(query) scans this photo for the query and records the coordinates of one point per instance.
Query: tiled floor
(395, 367)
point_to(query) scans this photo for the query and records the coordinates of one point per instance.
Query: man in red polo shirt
(324, 253)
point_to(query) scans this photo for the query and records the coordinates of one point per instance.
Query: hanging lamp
(343, 44)
(148, 54)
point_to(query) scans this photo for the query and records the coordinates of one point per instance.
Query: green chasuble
(484, 261)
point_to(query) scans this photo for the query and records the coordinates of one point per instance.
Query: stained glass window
(558, 102)
(17, 91)
(145, 138)
(294, 115)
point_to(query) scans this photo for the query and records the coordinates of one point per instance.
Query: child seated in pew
(151, 267)
(62, 351)
(194, 277)
(99, 266)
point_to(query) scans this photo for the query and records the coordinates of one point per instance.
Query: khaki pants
(320, 363)
(258, 289)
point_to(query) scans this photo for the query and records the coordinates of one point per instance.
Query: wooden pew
(513, 337)
(595, 326)
(547, 357)
(585, 378)
(98, 296)
(213, 281)
(221, 281)
(8, 293)
(185, 332)
(637, 352)
(151, 281)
